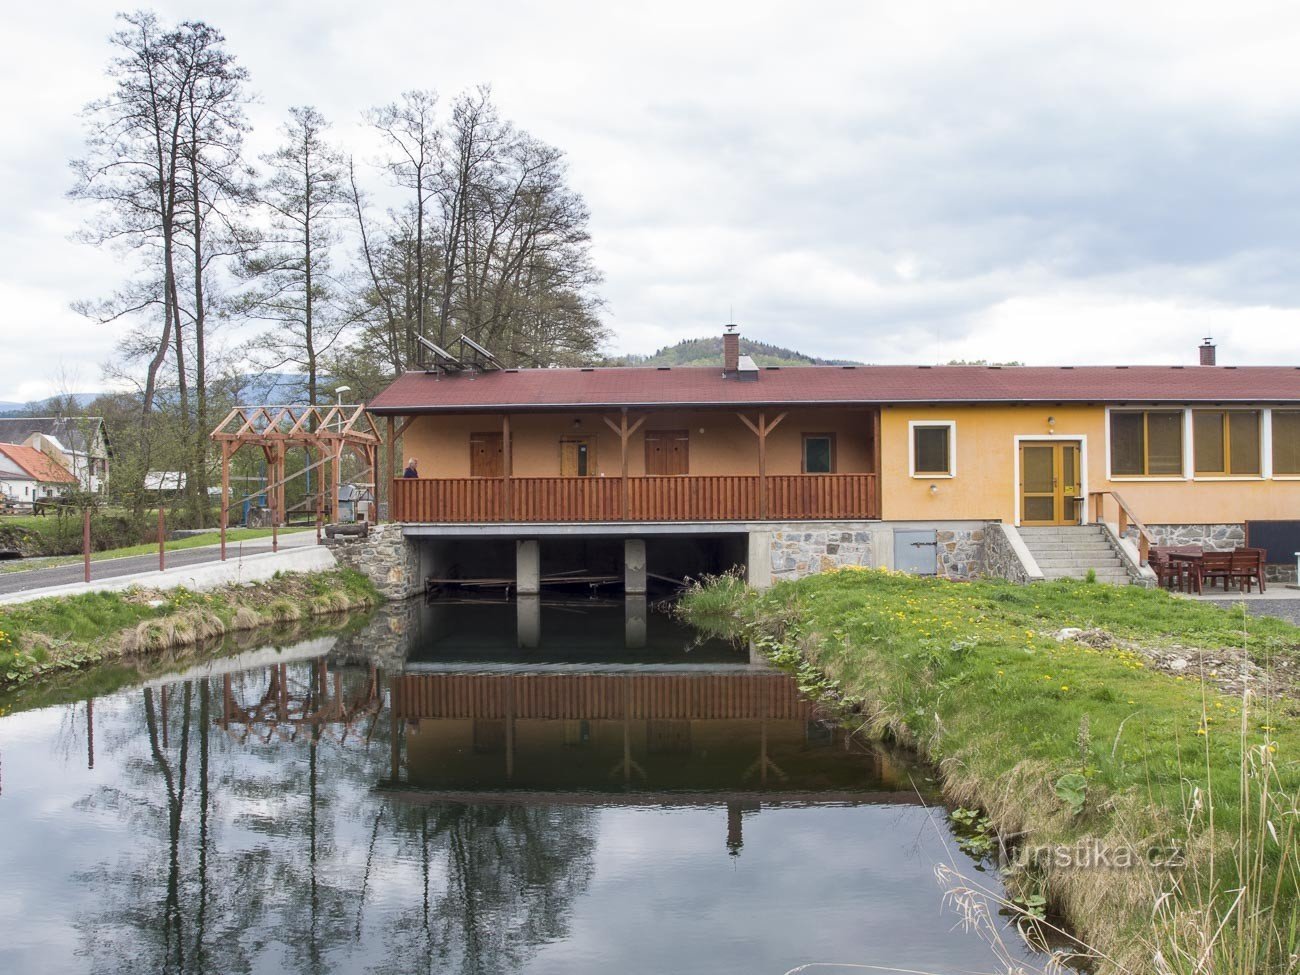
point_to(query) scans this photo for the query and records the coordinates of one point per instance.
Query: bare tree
(410, 128)
(293, 287)
(162, 149)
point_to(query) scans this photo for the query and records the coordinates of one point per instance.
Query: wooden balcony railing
(722, 497)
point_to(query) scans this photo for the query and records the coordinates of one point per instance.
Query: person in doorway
(411, 469)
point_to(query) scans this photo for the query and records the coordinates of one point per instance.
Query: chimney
(1207, 351)
(730, 351)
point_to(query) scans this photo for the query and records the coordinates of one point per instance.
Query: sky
(885, 182)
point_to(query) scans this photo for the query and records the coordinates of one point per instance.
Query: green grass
(970, 675)
(233, 537)
(46, 636)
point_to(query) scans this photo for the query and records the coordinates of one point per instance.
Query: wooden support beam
(761, 429)
(225, 496)
(506, 465)
(624, 435)
(390, 468)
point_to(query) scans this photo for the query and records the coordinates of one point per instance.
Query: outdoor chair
(1168, 573)
(1248, 568)
(1216, 566)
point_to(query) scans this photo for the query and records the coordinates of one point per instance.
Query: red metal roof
(39, 467)
(553, 389)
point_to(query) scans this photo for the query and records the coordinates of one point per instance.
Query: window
(932, 450)
(1226, 442)
(819, 453)
(1146, 443)
(1286, 442)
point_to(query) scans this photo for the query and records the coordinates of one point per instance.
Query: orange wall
(719, 442)
(984, 486)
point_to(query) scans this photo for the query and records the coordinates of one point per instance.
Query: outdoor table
(1189, 569)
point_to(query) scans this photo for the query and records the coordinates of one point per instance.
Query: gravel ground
(1282, 608)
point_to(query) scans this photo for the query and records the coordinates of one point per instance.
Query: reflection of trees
(496, 881)
(243, 849)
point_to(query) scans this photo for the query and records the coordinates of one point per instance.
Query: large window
(1286, 442)
(932, 450)
(819, 453)
(1146, 443)
(1226, 442)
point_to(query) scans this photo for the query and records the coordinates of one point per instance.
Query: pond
(475, 788)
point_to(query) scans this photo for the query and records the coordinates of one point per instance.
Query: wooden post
(390, 471)
(85, 542)
(761, 430)
(875, 460)
(336, 480)
(506, 464)
(225, 495)
(275, 535)
(162, 538)
(624, 435)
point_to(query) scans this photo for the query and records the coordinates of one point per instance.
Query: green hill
(708, 352)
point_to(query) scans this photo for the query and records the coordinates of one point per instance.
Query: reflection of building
(294, 701)
(739, 739)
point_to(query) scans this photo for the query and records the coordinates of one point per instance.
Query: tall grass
(1062, 744)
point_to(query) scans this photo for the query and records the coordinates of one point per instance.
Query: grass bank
(1118, 734)
(47, 636)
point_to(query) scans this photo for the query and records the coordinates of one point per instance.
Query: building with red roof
(27, 475)
(1186, 453)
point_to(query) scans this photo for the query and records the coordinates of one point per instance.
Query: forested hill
(708, 352)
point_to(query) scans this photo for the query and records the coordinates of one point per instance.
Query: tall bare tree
(162, 148)
(293, 286)
(410, 129)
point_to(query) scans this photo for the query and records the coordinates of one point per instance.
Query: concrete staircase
(1069, 551)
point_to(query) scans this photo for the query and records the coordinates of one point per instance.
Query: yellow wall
(984, 486)
(719, 442)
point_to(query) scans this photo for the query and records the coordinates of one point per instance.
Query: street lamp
(339, 391)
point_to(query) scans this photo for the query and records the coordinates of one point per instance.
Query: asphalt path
(63, 575)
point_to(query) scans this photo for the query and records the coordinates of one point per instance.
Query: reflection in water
(666, 808)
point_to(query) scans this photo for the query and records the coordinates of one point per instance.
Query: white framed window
(932, 448)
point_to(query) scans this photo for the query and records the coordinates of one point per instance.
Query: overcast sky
(864, 180)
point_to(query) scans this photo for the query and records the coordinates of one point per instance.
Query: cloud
(883, 183)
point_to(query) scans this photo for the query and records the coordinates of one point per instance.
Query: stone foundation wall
(806, 549)
(1000, 558)
(961, 552)
(384, 557)
(1220, 537)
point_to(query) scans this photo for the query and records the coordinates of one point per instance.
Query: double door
(1051, 491)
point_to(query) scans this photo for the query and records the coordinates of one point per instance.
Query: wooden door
(1049, 483)
(667, 452)
(486, 455)
(578, 457)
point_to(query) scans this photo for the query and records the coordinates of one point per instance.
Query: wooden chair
(1248, 568)
(1168, 573)
(1216, 566)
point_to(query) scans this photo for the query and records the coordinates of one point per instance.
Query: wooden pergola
(327, 433)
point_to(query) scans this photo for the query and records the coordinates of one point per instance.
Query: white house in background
(78, 444)
(27, 476)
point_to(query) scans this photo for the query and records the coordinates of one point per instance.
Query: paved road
(107, 568)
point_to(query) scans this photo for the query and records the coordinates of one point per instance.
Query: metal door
(916, 552)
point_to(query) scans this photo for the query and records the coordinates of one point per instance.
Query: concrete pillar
(528, 618)
(528, 567)
(758, 562)
(635, 616)
(634, 577)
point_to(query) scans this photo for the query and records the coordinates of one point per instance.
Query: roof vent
(587, 369)
(747, 370)
(778, 368)
(848, 367)
(925, 367)
(663, 368)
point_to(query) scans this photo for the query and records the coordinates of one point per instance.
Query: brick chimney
(1207, 351)
(730, 351)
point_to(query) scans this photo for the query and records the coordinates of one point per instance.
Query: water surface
(475, 789)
